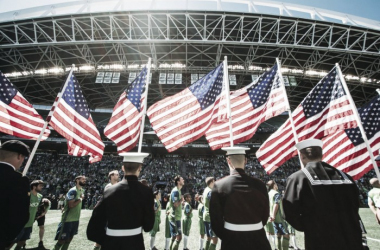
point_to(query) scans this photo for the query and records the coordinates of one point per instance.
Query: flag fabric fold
(124, 126)
(250, 106)
(346, 149)
(17, 115)
(70, 117)
(186, 116)
(325, 110)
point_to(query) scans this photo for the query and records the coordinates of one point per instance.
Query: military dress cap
(134, 157)
(235, 150)
(309, 143)
(16, 146)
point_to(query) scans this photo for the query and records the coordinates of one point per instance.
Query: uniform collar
(8, 164)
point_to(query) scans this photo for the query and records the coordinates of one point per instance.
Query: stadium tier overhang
(40, 40)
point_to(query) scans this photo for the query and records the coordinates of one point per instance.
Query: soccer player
(167, 226)
(175, 214)
(35, 200)
(210, 181)
(277, 216)
(43, 208)
(14, 191)
(321, 200)
(68, 227)
(157, 219)
(374, 198)
(201, 223)
(186, 222)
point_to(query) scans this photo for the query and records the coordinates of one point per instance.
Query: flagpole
(226, 83)
(45, 125)
(288, 107)
(358, 120)
(145, 104)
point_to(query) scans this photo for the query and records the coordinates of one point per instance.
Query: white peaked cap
(309, 143)
(235, 150)
(134, 157)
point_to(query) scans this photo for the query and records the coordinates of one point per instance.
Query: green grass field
(80, 241)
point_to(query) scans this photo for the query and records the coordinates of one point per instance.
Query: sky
(363, 8)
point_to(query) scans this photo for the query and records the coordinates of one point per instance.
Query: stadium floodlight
(236, 67)
(55, 70)
(69, 68)
(133, 66)
(41, 71)
(86, 68)
(255, 68)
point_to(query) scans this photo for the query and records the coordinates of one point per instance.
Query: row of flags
(200, 110)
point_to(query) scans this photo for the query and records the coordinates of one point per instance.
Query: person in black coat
(126, 209)
(239, 206)
(322, 202)
(14, 205)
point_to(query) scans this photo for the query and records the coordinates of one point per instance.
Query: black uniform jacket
(323, 202)
(14, 205)
(125, 205)
(240, 199)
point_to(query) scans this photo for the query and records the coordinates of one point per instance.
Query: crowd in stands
(58, 173)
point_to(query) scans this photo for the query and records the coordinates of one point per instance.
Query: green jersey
(374, 195)
(275, 198)
(175, 212)
(157, 209)
(33, 207)
(188, 211)
(200, 211)
(206, 198)
(73, 214)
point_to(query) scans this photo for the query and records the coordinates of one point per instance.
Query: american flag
(186, 116)
(17, 115)
(346, 149)
(124, 125)
(250, 106)
(325, 110)
(70, 117)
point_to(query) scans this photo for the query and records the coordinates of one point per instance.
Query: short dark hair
(131, 167)
(270, 185)
(177, 179)
(209, 180)
(187, 195)
(155, 193)
(312, 153)
(35, 183)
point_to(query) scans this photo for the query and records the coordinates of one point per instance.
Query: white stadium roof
(20, 9)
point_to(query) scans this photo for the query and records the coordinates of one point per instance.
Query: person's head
(113, 176)
(14, 152)
(132, 168)
(37, 185)
(235, 157)
(196, 197)
(157, 195)
(179, 181)
(374, 182)
(210, 181)
(187, 197)
(310, 150)
(200, 199)
(272, 185)
(80, 180)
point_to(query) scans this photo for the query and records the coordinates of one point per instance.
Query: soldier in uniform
(157, 219)
(320, 196)
(125, 210)
(186, 222)
(14, 190)
(239, 206)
